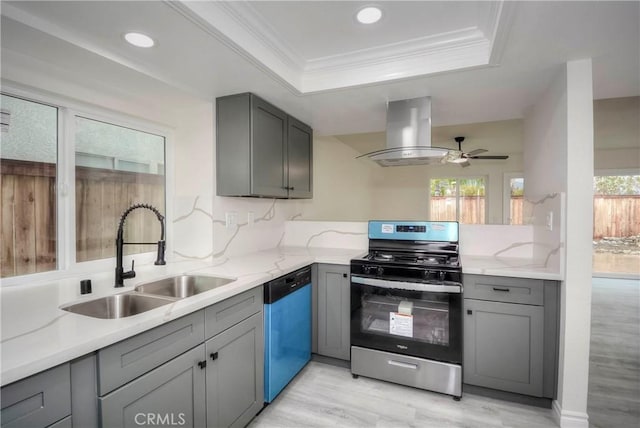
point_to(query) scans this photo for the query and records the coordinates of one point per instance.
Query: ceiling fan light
(458, 160)
(369, 15)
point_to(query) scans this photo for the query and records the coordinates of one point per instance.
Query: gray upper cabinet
(260, 150)
(300, 159)
(333, 311)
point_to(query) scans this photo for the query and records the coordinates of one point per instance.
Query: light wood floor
(614, 363)
(327, 396)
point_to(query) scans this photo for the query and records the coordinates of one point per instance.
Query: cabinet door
(334, 311)
(171, 395)
(235, 374)
(268, 150)
(503, 346)
(37, 401)
(300, 155)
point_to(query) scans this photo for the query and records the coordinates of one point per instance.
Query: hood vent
(409, 136)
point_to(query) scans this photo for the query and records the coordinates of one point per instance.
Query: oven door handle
(402, 285)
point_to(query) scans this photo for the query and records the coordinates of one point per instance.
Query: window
(114, 167)
(616, 224)
(513, 199)
(458, 199)
(28, 166)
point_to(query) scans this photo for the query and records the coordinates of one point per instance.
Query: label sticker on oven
(400, 324)
(387, 228)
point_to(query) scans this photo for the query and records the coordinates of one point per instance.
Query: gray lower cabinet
(261, 150)
(333, 311)
(37, 401)
(511, 334)
(503, 346)
(172, 394)
(235, 374)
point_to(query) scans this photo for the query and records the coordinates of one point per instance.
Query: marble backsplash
(326, 234)
(201, 233)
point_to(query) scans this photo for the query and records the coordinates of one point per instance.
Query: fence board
(109, 220)
(7, 237)
(25, 226)
(45, 222)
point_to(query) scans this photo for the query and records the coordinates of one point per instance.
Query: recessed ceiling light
(369, 15)
(140, 40)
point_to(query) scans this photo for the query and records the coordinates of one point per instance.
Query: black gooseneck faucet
(121, 275)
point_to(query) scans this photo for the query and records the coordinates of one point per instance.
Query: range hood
(409, 136)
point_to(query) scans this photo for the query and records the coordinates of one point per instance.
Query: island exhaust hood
(409, 136)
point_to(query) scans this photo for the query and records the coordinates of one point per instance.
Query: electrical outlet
(231, 219)
(550, 220)
(251, 218)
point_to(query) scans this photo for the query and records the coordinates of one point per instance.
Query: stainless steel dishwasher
(287, 329)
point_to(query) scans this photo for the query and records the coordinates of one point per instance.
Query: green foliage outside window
(616, 185)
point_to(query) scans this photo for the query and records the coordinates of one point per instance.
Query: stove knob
(366, 270)
(380, 271)
(426, 274)
(442, 275)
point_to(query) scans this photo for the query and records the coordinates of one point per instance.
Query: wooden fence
(616, 216)
(613, 215)
(472, 210)
(28, 214)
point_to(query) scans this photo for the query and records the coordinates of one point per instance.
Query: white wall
(558, 149)
(617, 133)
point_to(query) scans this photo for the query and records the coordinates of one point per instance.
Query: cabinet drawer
(126, 360)
(170, 395)
(225, 314)
(37, 401)
(504, 289)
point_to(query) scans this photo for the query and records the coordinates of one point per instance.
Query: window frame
(68, 109)
(458, 178)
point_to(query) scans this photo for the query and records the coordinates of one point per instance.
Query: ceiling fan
(462, 158)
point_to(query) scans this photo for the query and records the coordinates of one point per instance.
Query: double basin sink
(146, 297)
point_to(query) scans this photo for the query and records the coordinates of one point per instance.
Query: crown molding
(239, 25)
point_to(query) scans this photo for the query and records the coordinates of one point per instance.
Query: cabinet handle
(202, 364)
(469, 312)
(214, 356)
(344, 275)
(501, 289)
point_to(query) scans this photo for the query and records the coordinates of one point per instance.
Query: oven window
(424, 319)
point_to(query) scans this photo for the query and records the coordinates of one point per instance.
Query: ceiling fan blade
(476, 152)
(490, 157)
(464, 164)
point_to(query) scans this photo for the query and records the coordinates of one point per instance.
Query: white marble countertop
(508, 266)
(37, 334)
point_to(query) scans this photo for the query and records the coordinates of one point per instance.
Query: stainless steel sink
(118, 306)
(182, 286)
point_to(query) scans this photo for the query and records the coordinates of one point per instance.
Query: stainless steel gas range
(406, 306)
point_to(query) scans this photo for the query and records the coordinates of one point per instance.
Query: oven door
(422, 320)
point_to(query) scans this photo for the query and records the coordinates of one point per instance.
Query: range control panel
(435, 231)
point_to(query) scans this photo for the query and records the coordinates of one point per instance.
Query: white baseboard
(569, 419)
